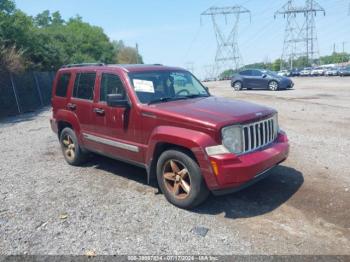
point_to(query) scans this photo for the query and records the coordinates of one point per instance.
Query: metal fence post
(15, 92)
(38, 88)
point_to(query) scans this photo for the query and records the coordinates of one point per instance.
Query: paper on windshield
(143, 86)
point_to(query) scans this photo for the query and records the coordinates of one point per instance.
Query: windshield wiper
(165, 99)
(196, 95)
(168, 98)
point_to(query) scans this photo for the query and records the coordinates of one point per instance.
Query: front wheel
(180, 179)
(273, 85)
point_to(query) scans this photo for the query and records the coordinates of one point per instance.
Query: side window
(84, 86)
(256, 73)
(111, 84)
(180, 82)
(246, 73)
(62, 84)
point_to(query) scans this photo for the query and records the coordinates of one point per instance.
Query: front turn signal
(215, 167)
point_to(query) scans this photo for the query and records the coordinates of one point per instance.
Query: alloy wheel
(176, 178)
(68, 147)
(273, 85)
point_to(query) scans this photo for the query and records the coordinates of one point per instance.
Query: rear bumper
(237, 172)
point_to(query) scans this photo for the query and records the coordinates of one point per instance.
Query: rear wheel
(273, 85)
(70, 147)
(180, 179)
(237, 86)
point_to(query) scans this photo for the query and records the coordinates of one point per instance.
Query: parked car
(332, 72)
(164, 120)
(317, 71)
(306, 71)
(294, 72)
(283, 73)
(260, 79)
(345, 71)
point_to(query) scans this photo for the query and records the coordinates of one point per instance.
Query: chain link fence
(24, 92)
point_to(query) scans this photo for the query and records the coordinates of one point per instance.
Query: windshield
(163, 86)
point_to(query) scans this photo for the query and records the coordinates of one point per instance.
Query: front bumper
(237, 172)
(286, 84)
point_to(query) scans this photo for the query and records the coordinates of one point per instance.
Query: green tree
(128, 55)
(47, 41)
(7, 6)
(43, 19)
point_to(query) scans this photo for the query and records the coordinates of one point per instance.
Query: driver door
(114, 129)
(257, 80)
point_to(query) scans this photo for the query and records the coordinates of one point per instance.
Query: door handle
(99, 111)
(71, 106)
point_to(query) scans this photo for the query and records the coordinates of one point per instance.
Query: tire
(71, 150)
(273, 85)
(237, 86)
(183, 189)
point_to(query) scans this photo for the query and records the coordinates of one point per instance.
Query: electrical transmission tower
(300, 38)
(227, 53)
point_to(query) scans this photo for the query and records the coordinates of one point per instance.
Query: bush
(12, 60)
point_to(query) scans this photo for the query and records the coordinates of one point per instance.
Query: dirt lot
(48, 207)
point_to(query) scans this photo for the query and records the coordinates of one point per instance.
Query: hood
(212, 111)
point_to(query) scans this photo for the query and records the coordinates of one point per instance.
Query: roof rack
(83, 65)
(158, 64)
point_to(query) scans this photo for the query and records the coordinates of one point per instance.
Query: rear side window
(62, 85)
(246, 73)
(84, 86)
(111, 84)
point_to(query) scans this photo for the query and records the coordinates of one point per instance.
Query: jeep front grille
(259, 134)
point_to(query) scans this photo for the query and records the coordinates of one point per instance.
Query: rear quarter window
(62, 85)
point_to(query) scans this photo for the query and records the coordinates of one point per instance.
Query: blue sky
(170, 32)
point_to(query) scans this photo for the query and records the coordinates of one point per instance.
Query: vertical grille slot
(259, 134)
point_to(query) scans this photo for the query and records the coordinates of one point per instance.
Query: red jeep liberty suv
(163, 119)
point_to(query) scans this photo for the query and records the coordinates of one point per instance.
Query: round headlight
(232, 138)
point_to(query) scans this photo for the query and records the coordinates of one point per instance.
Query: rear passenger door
(246, 76)
(81, 101)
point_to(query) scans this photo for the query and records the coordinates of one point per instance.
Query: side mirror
(264, 75)
(117, 100)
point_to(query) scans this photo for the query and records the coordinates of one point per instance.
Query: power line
(227, 53)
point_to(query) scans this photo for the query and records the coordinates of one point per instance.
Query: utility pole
(227, 53)
(300, 38)
(137, 53)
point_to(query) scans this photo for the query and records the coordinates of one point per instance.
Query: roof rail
(158, 64)
(82, 65)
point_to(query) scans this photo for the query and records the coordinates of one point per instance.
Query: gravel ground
(106, 207)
